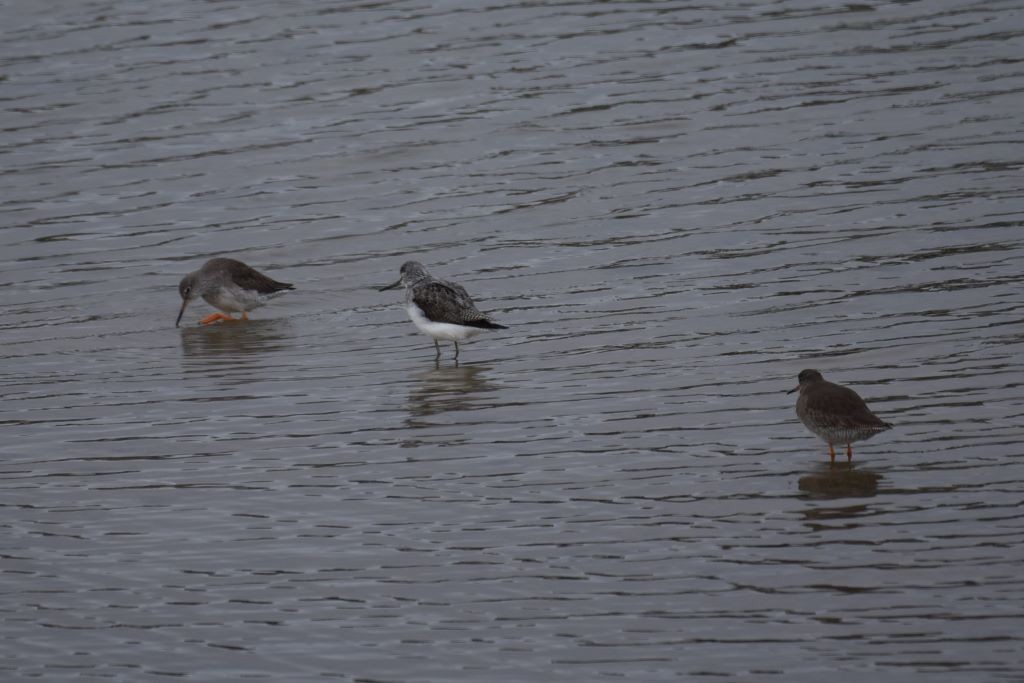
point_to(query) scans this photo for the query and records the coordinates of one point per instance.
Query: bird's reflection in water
(242, 338)
(841, 480)
(817, 518)
(443, 389)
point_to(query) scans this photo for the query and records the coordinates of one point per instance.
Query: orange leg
(832, 454)
(849, 453)
(245, 315)
(214, 317)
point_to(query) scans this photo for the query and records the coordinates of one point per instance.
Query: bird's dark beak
(384, 289)
(184, 303)
(793, 389)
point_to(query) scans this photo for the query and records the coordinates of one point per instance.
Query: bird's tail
(486, 325)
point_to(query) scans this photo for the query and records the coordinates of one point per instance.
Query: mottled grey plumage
(836, 414)
(447, 302)
(229, 285)
(439, 308)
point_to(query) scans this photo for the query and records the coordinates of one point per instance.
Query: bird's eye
(188, 290)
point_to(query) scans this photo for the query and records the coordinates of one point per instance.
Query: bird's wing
(446, 302)
(249, 278)
(840, 408)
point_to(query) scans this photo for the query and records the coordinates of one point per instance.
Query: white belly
(234, 299)
(446, 331)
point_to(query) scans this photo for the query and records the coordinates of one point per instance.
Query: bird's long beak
(384, 289)
(793, 389)
(184, 303)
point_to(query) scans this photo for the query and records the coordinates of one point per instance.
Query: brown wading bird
(229, 285)
(836, 414)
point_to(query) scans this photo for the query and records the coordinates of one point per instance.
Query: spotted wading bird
(229, 285)
(836, 414)
(440, 309)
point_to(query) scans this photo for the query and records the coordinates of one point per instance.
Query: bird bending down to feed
(836, 414)
(229, 285)
(440, 309)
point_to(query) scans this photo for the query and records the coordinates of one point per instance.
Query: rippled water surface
(675, 207)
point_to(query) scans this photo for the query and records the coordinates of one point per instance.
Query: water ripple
(674, 207)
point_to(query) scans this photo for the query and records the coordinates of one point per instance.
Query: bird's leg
(438, 347)
(831, 453)
(245, 315)
(849, 453)
(456, 351)
(214, 317)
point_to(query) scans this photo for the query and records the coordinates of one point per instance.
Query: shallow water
(674, 207)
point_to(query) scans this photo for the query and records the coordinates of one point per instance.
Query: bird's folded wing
(252, 279)
(841, 408)
(446, 302)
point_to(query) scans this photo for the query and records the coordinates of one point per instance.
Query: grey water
(674, 206)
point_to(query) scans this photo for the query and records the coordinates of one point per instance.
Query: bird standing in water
(836, 414)
(229, 285)
(440, 309)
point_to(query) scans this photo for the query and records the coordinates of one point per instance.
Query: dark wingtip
(485, 325)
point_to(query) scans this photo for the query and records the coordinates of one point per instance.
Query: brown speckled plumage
(836, 414)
